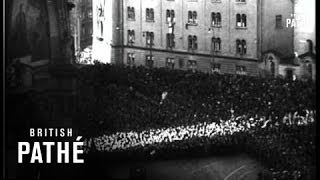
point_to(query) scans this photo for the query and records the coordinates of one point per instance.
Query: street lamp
(211, 30)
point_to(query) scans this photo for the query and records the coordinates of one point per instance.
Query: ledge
(186, 52)
(216, 26)
(241, 28)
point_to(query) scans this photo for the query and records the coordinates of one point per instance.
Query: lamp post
(211, 30)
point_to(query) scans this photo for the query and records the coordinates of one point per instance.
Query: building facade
(302, 63)
(304, 23)
(227, 36)
(81, 24)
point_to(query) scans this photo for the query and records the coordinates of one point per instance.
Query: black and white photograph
(159, 89)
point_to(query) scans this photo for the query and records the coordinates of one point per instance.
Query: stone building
(39, 79)
(230, 36)
(302, 63)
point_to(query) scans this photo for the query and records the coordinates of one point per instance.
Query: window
(90, 13)
(100, 28)
(192, 42)
(149, 38)
(131, 37)
(243, 1)
(241, 70)
(244, 47)
(149, 61)
(289, 74)
(215, 68)
(181, 63)
(241, 46)
(192, 17)
(278, 21)
(241, 20)
(170, 63)
(216, 19)
(149, 14)
(170, 40)
(130, 59)
(310, 45)
(272, 68)
(170, 16)
(170, 20)
(216, 43)
(131, 13)
(192, 65)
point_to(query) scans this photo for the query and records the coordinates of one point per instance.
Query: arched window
(151, 38)
(238, 17)
(151, 14)
(131, 36)
(190, 19)
(147, 13)
(213, 18)
(195, 41)
(168, 15)
(194, 17)
(213, 41)
(189, 42)
(172, 15)
(239, 46)
(172, 41)
(218, 48)
(148, 38)
(218, 20)
(244, 20)
(244, 47)
(216, 43)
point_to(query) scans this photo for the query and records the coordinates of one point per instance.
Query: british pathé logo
(41, 152)
(298, 20)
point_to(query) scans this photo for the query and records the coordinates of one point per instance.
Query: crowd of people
(161, 112)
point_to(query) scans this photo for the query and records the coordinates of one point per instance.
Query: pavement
(237, 167)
